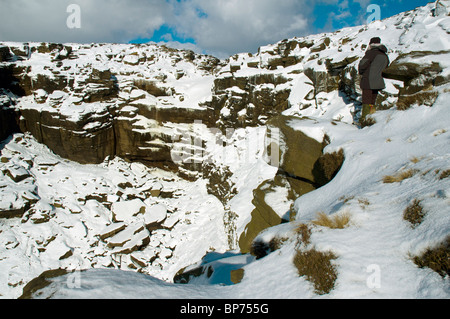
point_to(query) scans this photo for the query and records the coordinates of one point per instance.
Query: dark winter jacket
(372, 66)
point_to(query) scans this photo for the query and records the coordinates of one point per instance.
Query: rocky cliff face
(90, 102)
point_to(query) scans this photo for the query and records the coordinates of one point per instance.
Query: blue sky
(356, 14)
(218, 27)
(325, 16)
(165, 34)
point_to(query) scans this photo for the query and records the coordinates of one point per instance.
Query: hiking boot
(365, 111)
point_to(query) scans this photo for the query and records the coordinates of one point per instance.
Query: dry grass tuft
(444, 174)
(276, 243)
(317, 267)
(389, 179)
(304, 233)
(414, 213)
(437, 259)
(338, 221)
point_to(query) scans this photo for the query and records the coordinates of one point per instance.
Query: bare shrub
(260, 248)
(317, 267)
(437, 258)
(414, 213)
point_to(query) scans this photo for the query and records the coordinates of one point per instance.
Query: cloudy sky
(218, 27)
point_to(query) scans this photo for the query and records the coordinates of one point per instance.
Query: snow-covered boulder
(126, 211)
(155, 216)
(40, 96)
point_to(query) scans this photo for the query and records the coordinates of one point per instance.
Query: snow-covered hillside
(158, 167)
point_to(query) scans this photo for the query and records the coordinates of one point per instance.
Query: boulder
(284, 62)
(336, 67)
(112, 230)
(41, 213)
(321, 46)
(237, 275)
(18, 192)
(17, 173)
(126, 211)
(40, 96)
(405, 68)
(139, 240)
(13, 208)
(131, 59)
(155, 216)
(156, 189)
(41, 282)
(124, 236)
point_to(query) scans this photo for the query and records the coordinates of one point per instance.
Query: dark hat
(375, 40)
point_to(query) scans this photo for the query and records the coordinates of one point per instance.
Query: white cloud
(219, 27)
(226, 26)
(101, 20)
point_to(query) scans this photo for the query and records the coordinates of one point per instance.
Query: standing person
(371, 68)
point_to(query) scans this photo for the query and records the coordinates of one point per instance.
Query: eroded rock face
(88, 141)
(272, 201)
(298, 152)
(248, 101)
(303, 168)
(420, 76)
(111, 106)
